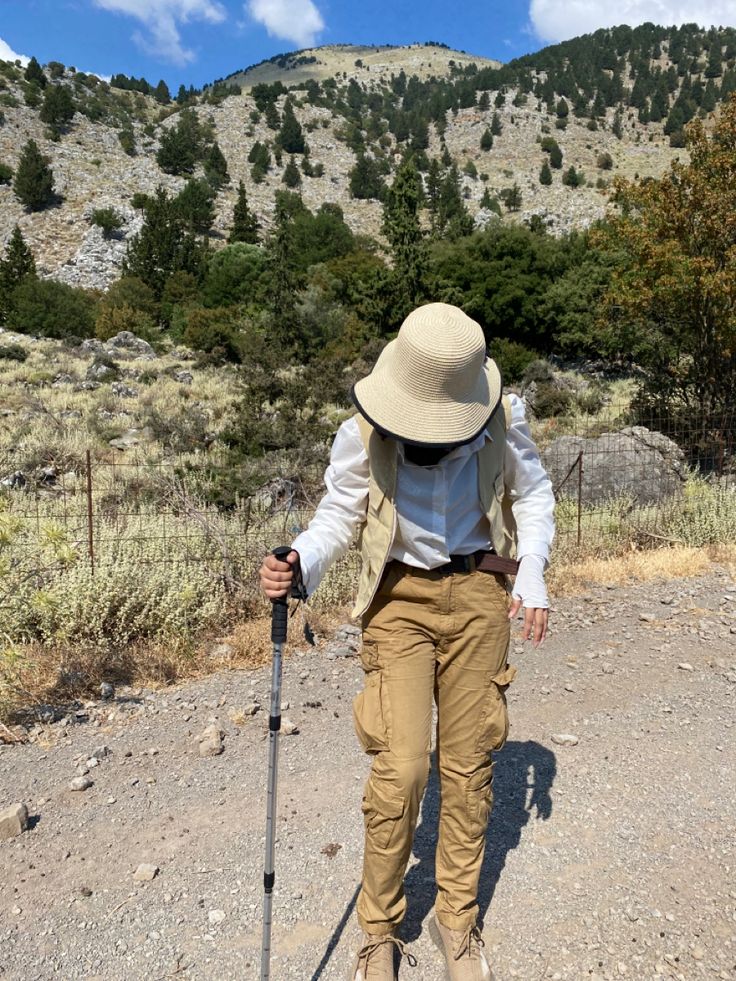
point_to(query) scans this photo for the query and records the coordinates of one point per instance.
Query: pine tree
(511, 197)
(572, 178)
(496, 127)
(215, 167)
(163, 246)
(366, 182)
(545, 175)
(290, 138)
(453, 219)
(34, 73)
(484, 102)
(500, 100)
(245, 224)
(181, 146)
(34, 180)
(291, 176)
(161, 93)
(406, 241)
(195, 207)
(616, 128)
(261, 160)
(16, 265)
(486, 140)
(58, 108)
(284, 281)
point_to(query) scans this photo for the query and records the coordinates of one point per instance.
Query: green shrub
(538, 371)
(235, 274)
(45, 308)
(550, 400)
(512, 358)
(108, 220)
(127, 141)
(6, 174)
(112, 319)
(215, 332)
(13, 352)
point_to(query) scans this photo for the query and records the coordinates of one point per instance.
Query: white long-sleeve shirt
(438, 508)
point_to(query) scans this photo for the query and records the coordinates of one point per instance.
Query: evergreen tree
(433, 189)
(290, 138)
(496, 127)
(366, 182)
(484, 102)
(34, 180)
(16, 265)
(34, 73)
(616, 128)
(511, 197)
(500, 99)
(453, 219)
(404, 234)
(163, 246)
(291, 176)
(195, 207)
(161, 93)
(562, 109)
(58, 108)
(284, 281)
(572, 178)
(181, 146)
(545, 175)
(245, 224)
(215, 167)
(261, 160)
(714, 68)
(486, 140)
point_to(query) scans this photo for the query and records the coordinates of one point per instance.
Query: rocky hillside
(613, 103)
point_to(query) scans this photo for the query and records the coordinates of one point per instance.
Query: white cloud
(558, 20)
(162, 20)
(7, 54)
(298, 21)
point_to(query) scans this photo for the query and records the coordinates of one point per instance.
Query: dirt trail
(612, 858)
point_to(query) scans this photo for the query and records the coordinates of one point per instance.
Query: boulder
(638, 462)
(126, 342)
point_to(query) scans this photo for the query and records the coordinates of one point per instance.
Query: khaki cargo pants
(426, 636)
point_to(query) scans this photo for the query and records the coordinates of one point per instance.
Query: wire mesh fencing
(658, 481)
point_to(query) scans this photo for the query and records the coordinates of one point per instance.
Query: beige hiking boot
(375, 958)
(463, 954)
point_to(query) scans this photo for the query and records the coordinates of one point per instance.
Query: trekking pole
(279, 617)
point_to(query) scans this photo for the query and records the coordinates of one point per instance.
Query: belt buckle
(471, 563)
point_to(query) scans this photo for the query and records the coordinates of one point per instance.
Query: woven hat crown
(439, 353)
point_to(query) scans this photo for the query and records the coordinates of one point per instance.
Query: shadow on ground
(522, 777)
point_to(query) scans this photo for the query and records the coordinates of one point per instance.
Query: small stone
(85, 891)
(685, 666)
(216, 915)
(251, 708)
(146, 872)
(101, 753)
(80, 783)
(565, 739)
(13, 821)
(107, 691)
(288, 727)
(210, 742)
(544, 691)
(608, 669)
(698, 953)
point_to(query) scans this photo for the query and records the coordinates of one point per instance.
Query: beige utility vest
(379, 528)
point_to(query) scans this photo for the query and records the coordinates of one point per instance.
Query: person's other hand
(536, 620)
(277, 576)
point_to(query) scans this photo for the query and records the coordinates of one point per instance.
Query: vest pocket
(381, 812)
(493, 728)
(370, 714)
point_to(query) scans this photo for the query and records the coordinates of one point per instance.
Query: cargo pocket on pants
(370, 714)
(479, 800)
(381, 811)
(493, 728)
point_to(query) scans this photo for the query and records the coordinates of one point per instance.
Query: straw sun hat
(433, 384)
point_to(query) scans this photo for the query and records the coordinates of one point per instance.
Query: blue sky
(195, 41)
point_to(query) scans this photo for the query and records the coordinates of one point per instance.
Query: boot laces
(468, 943)
(375, 942)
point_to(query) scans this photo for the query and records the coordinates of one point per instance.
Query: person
(439, 474)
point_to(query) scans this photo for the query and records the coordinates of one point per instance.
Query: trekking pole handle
(279, 607)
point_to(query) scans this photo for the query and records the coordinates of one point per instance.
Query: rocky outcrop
(637, 462)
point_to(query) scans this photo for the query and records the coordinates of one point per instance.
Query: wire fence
(656, 481)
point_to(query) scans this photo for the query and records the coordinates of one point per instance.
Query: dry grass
(575, 576)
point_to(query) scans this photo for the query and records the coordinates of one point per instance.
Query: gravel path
(614, 857)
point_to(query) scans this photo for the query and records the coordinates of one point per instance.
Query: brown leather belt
(482, 561)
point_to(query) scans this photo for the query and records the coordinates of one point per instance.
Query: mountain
(613, 102)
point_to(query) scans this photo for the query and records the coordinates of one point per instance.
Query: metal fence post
(90, 533)
(580, 493)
